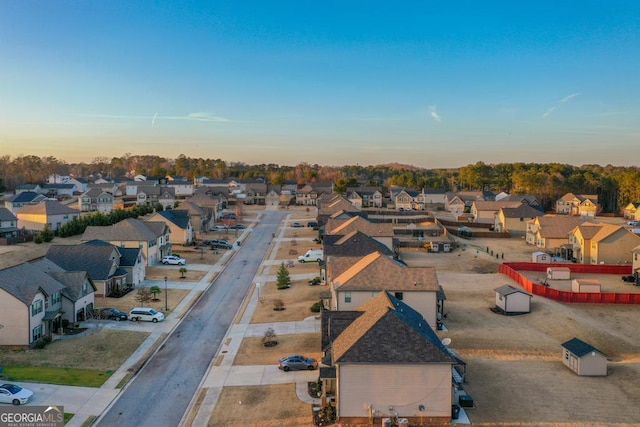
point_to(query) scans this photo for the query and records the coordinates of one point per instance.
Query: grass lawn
(102, 351)
(261, 406)
(64, 376)
(297, 299)
(252, 352)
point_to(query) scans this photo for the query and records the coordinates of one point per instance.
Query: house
(102, 262)
(255, 194)
(382, 232)
(151, 237)
(583, 358)
(154, 195)
(365, 197)
(59, 191)
(49, 213)
(58, 179)
(512, 300)
(404, 199)
(21, 199)
(484, 212)
(629, 211)
(8, 224)
(96, 200)
(578, 204)
(600, 243)
(336, 203)
(181, 187)
(352, 282)
(460, 202)
(551, 233)
(306, 196)
(432, 196)
(34, 188)
(31, 301)
(82, 185)
(179, 222)
(354, 244)
(386, 361)
(199, 216)
(514, 219)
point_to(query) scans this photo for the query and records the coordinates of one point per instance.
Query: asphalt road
(160, 393)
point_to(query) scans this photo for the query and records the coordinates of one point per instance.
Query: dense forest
(616, 186)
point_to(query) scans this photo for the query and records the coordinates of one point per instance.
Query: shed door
(574, 363)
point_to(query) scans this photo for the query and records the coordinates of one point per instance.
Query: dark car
(297, 225)
(312, 224)
(237, 227)
(297, 361)
(113, 313)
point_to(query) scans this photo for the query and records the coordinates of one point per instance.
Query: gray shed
(512, 300)
(583, 358)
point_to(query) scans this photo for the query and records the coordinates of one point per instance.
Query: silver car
(297, 361)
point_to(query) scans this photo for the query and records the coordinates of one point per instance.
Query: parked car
(238, 227)
(113, 313)
(629, 279)
(173, 260)
(296, 225)
(219, 227)
(228, 216)
(297, 361)
(221, 244)
(145, 314)
(312, 224)
(14, 394)
(633, 223)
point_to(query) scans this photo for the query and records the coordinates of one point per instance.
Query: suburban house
(179, 222)
(354, 244)
(96, 200)
(578, 204)
(583, 358)
(629, 211)
(599, 243)
(81, 184)
(255, 194)
(484, 212)
(154, 195)
(432, 196)
(34, 188)
(199, 216)
(36, 296)
(386, 362)
(151, 237)
(512, 300)
(327, 208)
(515, 220)
(308, 193)
(102, 261)
(181, 187)
(410, 199)
(382, 232)
(59, 191)
(21, 199)
(365, 197)
(8, 224)
(457, 202)
(353, 281)
(46, 213)
(551, 233)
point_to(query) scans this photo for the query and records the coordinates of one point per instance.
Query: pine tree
(284, 281)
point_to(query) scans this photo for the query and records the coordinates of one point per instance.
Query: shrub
(278, 305)
(316, 307)
(42, 343)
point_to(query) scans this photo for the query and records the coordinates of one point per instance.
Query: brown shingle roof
(557, 227)
(357, 223)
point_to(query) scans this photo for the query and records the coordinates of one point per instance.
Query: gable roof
(597, 231)
(48, 207)
(355, 243)
(95, 259)
(376, 272)
(25, 280)
(180, 217)
(579, 347)
(490, 205)
(25, 197)
(508, 290)
(7, 215)
(389, 332)
(358, 223)
(557, 226)
(129, 229)
(522, 211)
(73, 282)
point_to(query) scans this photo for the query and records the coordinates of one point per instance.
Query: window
(55, 298)
(398, 295)
(566, 355)
(36, 307)
(36, 333)
(347, 297)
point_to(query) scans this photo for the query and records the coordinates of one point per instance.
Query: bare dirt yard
(297, 302)
(127, 302)
(252, 352)
(15, 254)
(514, 366)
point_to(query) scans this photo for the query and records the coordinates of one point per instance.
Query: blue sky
(433, 84)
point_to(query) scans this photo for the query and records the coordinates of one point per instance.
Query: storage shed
(558, 273)
(511, 300)
(584, 359)
(585, 285)
(540, 257)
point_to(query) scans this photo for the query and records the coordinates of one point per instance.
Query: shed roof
(508, 290)
(579, 347)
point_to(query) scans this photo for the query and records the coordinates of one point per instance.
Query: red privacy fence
(511, 269)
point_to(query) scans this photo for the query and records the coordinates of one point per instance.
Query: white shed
(583, 358)
(558, 273)
(540, 257)
(585, 285)
(511, 300)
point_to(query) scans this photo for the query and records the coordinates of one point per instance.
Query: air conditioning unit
(386, 422)
(403, 422)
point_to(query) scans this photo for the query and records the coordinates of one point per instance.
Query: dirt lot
(127, 302)
(252, 352)
(297, 302)
(16, 254)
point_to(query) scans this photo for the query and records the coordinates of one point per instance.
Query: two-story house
(182, 188)
(24, 198)
(96, 200)
(599, 243)
(485, 211)
(179, 222)
(551, 233)
(578, 204)
(49, 213)
(382, 232)
(8, 224)
(515, 219)
(365, 197)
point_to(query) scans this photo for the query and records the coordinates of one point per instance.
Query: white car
(173, 260)
(11, 393)
(145, 314)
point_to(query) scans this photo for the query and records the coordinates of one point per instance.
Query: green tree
(183, 272)
(155, 290)
(284, 280)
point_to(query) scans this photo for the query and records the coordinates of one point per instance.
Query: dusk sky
(427, 83)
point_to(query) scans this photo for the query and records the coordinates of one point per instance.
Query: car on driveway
(14, 394)
(113, 313)
(173, 260)
(238, 227)
(297, 362)
(297, 225)
(312, 224)
(145, 314)
(220, 244)
(219, 227)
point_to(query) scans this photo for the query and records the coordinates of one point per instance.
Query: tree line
(615, 186)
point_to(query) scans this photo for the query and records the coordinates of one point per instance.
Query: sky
(428, 83)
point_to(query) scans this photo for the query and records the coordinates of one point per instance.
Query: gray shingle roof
(95, 259)
(48, 207)
(508, 290)
(355, 243)
(7, 215)
(73, 281)
(129, 229)
(179, 217)
(25, 280)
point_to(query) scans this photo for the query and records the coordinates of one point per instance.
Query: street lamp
(166, 304)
